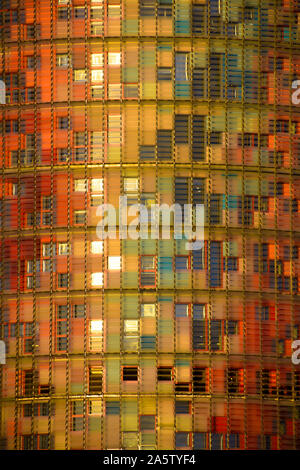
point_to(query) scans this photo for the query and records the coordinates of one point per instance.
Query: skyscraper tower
(127, 343)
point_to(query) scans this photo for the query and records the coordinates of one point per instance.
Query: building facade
(142, 343)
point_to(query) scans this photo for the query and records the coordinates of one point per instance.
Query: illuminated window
(96, 335)
(97, 76)
(97, 279)
(131, 185)
(97, 247)
(97, 185)
(63, 249)
(130, 339)
(80, 185)
(95, 407)
(131, 326)
(148, 310)
(114, 263)
(80, 75)
(114, 58)
(97, 59)
(62, 60)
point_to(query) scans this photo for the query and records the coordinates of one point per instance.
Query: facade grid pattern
(143, 344)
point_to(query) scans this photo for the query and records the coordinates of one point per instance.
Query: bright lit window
(148, 310)
(131, 326)
(95, 407)
(80, 75)
(97, 247)
(63, 249)
(96, 326)
(96, 331)
(97, 76)
(114, 58)
(97, 185)
(80, 185)
(131, 185)
(97, 59)
(97, 279)
(114, 263)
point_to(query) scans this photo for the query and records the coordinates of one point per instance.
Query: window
(62, 60)
(32, 61)
(27, 383)
(147, 423)
(114, 58)
(233, 327)
(112, 408)
(148, 342)
(62, 280)
(131, 331)
(182, 407)
(35, 442)
(182, 263)
(77, 415)
(80, 185)
(147, 8)
(164, 73)
(39, 409)
(235, 381)
(63, 249)
(262, 312)
(164, 144)
(79, 217)
(63, 122)
(95, 380)
(164, 374)
(147, 152)
(182, 310)
(97, 279)
(97, 60)
(231, 264)
(182, 440)
(199, 378)
(201, 330)
(78, 311)
(97, 76)
(129, 373)
(148, 271)
(97, 247)
(79, 12)
(97, 185)
(147, 310)
(164, 8)
(63, 154)
(181, 129)
(61, 328)
(79, 75)
(131, 185)
(96, 335)
(62, 13)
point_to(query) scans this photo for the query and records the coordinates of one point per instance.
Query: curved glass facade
(142, 343)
